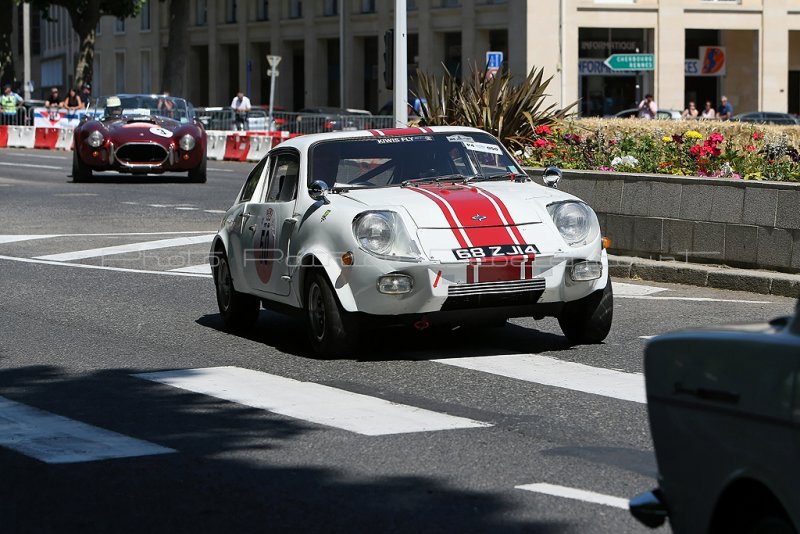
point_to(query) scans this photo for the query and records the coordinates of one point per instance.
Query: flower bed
(685, 148)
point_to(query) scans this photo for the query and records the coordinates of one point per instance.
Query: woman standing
(72, 103)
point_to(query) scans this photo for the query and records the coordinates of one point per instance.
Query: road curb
(716, 276)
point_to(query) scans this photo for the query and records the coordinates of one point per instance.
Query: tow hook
(422, 324)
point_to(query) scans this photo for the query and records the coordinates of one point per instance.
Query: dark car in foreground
(767, 117)
(139, 134)
(724, 407)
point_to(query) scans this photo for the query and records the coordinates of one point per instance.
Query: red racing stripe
(506, 214)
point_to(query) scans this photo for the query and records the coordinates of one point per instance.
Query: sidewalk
(716, 276)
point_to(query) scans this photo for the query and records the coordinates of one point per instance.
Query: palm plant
(508, 109)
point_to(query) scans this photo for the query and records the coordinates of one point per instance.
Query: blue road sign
(494, 60)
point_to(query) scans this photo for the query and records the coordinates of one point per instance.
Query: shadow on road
(144, 179)
(236, 469)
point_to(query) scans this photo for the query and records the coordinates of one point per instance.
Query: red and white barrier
(220, 145)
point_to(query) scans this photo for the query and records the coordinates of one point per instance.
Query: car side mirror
(318, 190)
(551, 177)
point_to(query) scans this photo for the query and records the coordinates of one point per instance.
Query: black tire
(239, 311)
(771, 524)
(588, 320)
(331, 330)
(199, 175)
(80, 171)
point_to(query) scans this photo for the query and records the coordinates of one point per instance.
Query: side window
(252, 181)
(283, 181)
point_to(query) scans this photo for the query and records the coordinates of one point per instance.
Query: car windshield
(108, 107)
(406, 160)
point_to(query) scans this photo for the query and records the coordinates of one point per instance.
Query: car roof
(304, 142)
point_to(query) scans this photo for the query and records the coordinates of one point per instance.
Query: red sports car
(139, 134)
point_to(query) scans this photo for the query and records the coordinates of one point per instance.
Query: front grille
(141, 154)
(494, 294)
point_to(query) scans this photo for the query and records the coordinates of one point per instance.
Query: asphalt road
(83, 325)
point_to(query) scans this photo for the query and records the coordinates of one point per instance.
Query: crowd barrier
(220, 145)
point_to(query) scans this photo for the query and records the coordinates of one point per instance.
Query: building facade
(748, 50)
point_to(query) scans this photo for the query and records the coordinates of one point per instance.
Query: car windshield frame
(407, 160)
(168, 107)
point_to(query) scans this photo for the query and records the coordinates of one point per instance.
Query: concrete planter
(708, 220)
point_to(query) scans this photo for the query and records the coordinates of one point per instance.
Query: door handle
(252, 227)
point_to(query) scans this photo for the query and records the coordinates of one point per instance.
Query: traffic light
(388, 59)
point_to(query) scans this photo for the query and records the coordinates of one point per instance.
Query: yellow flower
(667, 139)
(691, 134)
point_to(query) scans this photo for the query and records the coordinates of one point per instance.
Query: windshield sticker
(161, 132)
(483, 147)
(460, 139)
(325, 215)
(139, 112)
(387, 140)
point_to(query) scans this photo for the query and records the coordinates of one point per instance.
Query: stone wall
(710, 220)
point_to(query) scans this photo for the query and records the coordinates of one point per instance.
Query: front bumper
(516, 287)
(107, 158)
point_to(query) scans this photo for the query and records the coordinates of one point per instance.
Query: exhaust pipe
(422, 324)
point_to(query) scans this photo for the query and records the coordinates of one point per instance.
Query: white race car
(414, 226)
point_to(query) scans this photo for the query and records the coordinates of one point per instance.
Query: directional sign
(631, 62)
(274, 60)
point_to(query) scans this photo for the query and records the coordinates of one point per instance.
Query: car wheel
(332, 331)
(239, 310)
(80, 171)
(588, 320)
(771, 524)
(198, 175)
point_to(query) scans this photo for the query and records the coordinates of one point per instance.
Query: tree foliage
(7, 73)
(508, 109)
(84, 16)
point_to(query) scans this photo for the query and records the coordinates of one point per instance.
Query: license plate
(494, 251)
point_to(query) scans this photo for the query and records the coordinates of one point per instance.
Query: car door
(272, 224)
(239, 235)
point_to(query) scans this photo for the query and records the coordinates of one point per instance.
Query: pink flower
(543, 130)
(540, 143)
(756, 136)
(716, 137)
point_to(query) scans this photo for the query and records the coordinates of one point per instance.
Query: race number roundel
(161, 132)
(264, 243)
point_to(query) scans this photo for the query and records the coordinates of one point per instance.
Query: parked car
(330, 119)
(724, 407)
(661, 114)
(139, 134)
(767, 117)
(414, 227)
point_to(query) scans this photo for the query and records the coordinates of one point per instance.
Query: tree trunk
(7, 73)
(174, 71)
(85, 24)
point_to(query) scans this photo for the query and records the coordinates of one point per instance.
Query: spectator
(725, 110)
(53, 100)
(166, 105)
(72, 103)
(241, 106)
(10, 103)
(648, 108)
(86, 93)
(708, 111)
(691, 112)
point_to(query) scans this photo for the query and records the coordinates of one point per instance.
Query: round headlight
(573, 220)
(187, 142)
(374, 232)
(95, 139)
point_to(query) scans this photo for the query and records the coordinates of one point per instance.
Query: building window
(230, 11)
(201, 15)
(295, 9)
(144, 62)
(119, 72)
(145, 16)
(331, 8)
(368, 6)
(411, 5)
(263, 10)
(119, 27)
(451, 3)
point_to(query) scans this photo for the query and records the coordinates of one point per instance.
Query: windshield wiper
(494, 177)
(437, 179)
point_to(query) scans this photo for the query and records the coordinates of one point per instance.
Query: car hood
(482, 204)
(150, 128)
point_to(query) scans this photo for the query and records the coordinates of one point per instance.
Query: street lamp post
(400, 65)
(273, 73)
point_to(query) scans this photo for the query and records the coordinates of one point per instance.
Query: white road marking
(31, 165)
(76, 195)
(137, 233)
(214, 211)
(43, 156)
(576, 494)
(635, 290)
(185, 208)
(100, 267)
(132, 247)
(311, 402)
(694, 299)
(159, 205)
(204, 268)
(54, 439)
(17, 238)
(558, 373)
(220, 170)
(130, 203)
(646, 337)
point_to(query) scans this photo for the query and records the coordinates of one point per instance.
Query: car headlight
(383, 234)
(186, 143)
(576, 222)
(95, 139)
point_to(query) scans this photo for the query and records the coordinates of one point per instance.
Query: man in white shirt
(241, 105)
